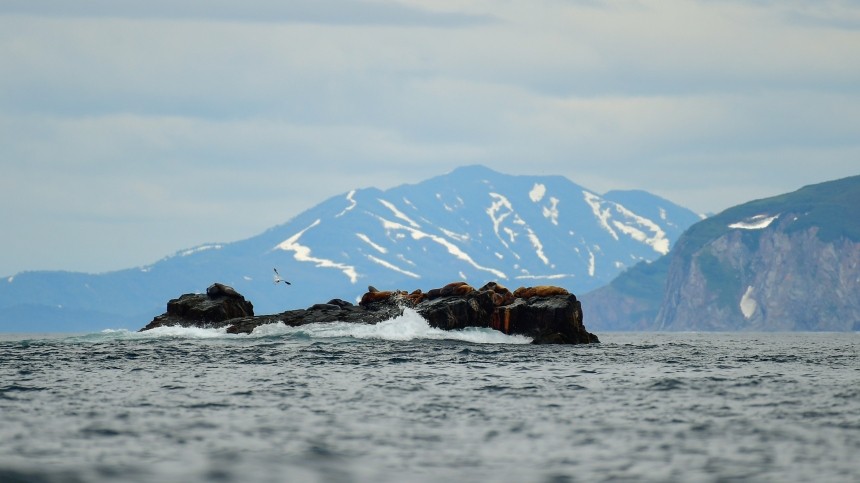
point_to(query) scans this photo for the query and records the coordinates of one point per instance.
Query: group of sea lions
(500, 294)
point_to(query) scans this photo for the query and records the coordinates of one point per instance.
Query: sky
(131, 130)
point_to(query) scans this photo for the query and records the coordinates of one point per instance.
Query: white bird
(278, 277)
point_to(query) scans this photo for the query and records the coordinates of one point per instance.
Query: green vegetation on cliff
(832, 209)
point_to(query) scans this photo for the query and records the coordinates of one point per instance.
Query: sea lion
(495, 287)
(539, 291)
(464, 289)
(416, 297)
(449, 289)
(220, 290)
(371, 297)
(498, 289)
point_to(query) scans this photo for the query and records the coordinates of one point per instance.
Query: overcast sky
(133, 129)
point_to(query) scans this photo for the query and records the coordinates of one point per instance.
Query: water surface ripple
(300, 405)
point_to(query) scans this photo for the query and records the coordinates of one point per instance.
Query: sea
(402, 402)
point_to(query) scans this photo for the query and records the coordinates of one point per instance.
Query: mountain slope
(473, 224)
(791, 262)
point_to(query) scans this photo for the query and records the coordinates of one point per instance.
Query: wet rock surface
(547, 314)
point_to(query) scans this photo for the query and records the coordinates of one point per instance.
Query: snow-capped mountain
(472, 224)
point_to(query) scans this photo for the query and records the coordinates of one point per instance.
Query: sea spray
(406, 327)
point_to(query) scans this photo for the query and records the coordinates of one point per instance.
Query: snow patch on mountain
(455, 236)
(497, 218)
(556, 276)
(758, 222)
(748, 304)
(201, 248)
(303, 254)
(353, 204)
(398, 214)
(366, 239)
(450, 247)
(411, 205)
(391, 266)
(537, 193)
(405, 260)
(460, 203)
(658, 241)
(602, 215)
(551, 211)
(591, 263)
(538, 246)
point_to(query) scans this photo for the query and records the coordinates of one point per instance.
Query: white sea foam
(172, 332)
(406, 327)
(409, 326)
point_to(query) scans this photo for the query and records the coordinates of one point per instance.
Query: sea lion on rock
(416, 297)
(371, 297)
(495, 287)
(220, 290)
(450, 288)
(501, 295)
(539, 291)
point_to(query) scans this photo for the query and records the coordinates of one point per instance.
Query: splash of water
(408, 326)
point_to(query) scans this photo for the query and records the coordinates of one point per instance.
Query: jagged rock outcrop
(220, 303)
(549, 315)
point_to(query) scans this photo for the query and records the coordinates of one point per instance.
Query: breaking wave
(406, 327)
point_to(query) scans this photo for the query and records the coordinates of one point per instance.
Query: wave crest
(406, 327)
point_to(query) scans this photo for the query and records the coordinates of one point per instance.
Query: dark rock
(324, 307)
(457, 312)
(548, 320)
(340, 303)
(550, 315)
(220, 304)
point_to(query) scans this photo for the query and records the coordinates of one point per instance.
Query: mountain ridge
(473, 224)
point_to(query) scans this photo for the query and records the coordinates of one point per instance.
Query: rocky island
(547, 314)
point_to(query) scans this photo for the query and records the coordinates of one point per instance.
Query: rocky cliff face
(791, 262)
(776, 280)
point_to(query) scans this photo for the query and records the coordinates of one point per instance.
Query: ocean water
(400, 401)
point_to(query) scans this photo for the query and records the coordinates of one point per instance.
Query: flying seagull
(278, 277)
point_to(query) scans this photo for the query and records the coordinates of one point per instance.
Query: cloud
(258, 110)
